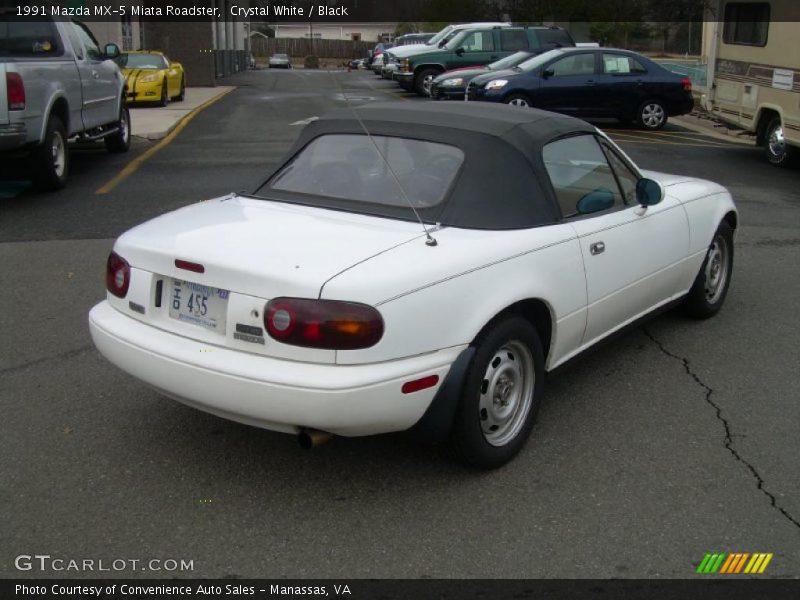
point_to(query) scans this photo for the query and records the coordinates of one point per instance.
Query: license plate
(198, 304)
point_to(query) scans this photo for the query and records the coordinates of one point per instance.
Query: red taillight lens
(118, 275)
(15, 91)
(328, 324)
(687, 84)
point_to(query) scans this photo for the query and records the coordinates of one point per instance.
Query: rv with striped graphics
(754, 72)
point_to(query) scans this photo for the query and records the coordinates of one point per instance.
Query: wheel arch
(423, 66)
(765, 114)
(536, 311)
(59, 106)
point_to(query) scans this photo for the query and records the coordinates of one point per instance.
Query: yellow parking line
(137, 162)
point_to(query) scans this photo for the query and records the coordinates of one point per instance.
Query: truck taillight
(687, 84)
(327, 324)
(118, 275)
(15, 91)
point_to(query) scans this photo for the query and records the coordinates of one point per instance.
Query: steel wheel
(506, 393)
(59, 154)
(652, 115)
(716, 269)
(776, 146)
(427, 82)
(518, 101)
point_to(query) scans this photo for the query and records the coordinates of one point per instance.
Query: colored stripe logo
(735, 563)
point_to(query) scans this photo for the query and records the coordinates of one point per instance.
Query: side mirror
(648, 192)
(442, 43)
(460, 51)
(595, 201)
(110, 51)
(548, 72)
(176, 65)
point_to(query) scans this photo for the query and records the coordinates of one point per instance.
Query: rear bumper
(12, 136)
(267, 392)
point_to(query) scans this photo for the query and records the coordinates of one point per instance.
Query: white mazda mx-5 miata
(411, 267)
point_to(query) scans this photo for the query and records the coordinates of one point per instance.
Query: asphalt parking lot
(676, 439)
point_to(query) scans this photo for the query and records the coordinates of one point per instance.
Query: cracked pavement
(675, 439)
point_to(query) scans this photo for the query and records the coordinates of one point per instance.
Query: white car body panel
(434, 300)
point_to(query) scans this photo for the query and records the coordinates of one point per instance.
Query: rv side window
(746, 23)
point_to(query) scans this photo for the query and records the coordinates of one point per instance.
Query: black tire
(164, 101)
(515, 340)
(519, 100)
(777, 151)
(50, 160)
(420, 80)
(120, 141)
(651, 115)
(182, 96)
(713, 280)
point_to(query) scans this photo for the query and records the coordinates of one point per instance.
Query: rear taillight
(15, 91)
(118, 275)
(687, 84)
(328, 324)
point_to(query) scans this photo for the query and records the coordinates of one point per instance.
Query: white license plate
(198, 304)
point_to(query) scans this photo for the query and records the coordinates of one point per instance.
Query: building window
(746, 23)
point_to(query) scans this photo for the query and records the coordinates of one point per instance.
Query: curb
(160, 135)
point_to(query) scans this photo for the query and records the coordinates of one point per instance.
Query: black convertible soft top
(502, 184)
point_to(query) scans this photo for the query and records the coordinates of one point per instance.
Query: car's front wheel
(120, 141)
(712, 282)
(651, 115)
(501, 395)
(182, 95)
(164, 100)
(424, 80)
(518, 100)
(775, 147)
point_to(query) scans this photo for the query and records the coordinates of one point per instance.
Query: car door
(567, 84)
(632, 257)
(477, 48)
(100, 81)
(621, 84)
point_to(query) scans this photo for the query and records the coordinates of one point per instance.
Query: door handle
(590, 82)
(493, 57)
(95, 74)
(597, 248)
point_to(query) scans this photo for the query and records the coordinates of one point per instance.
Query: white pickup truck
(56, 85)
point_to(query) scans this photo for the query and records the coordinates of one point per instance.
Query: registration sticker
(199, 304)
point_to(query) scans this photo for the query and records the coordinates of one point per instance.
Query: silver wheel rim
(777, 143)
(653, 115)
(716, 269)
(124, 129)
(59, 154)
(506, 393)
(427, 82)
(519, 102)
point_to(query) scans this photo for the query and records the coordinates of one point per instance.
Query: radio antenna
(429, 239)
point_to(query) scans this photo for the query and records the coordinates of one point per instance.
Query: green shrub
(311, 62)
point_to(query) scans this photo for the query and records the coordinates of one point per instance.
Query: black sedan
(452, 85)
(589, 83)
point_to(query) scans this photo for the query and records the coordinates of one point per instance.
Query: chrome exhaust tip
(311, 438)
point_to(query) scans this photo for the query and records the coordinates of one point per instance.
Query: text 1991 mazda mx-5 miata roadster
(323, 302)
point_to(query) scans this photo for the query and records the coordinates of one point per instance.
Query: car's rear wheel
(121, 140)
(51, 158)
(424, 80)
(518, 100)
(777, 150)
(651, 115)
(712, 282)
(164, 93)
(501, 395)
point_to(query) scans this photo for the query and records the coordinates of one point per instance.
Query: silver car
(280, 61)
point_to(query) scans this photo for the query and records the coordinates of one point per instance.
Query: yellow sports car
(151, 77)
